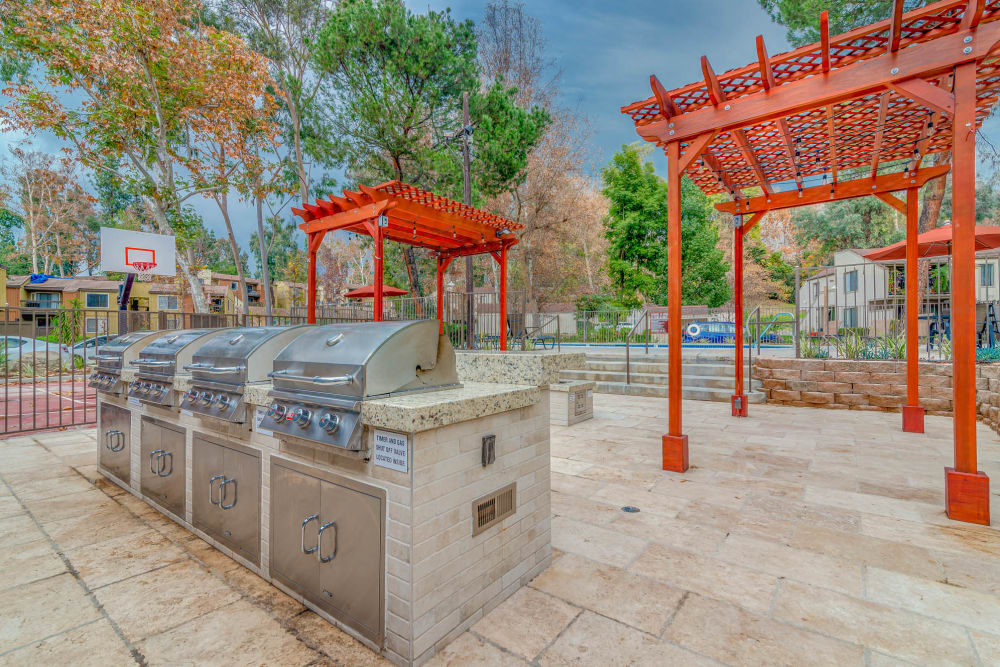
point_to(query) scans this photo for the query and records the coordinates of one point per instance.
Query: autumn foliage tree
(138, 88)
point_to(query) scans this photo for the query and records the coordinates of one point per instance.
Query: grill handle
(209, 368)
(141, 362)
(106, 357)
(334, 380)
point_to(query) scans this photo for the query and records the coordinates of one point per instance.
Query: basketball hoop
(144, 270)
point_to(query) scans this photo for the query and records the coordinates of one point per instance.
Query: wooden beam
(824, 39)
(695, 149)
(926, 93)
(766, 75)
(715, 92)
(863, 77)
(667, 107)
(973, 14)
(751, 159)
(713, 165)
(895, 33)
(831, 135)
(892, 201)
(752, 222)
(820, 194)
(883, 109)
(342, 219)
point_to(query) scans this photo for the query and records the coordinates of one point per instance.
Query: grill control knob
(276, 412)
(145, 387)
(190, 396)
(329, 423)
(301, 417)
(205, 398)
(223, 401)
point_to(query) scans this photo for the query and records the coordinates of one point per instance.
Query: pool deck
(798, 536)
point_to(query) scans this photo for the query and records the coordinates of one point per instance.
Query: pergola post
(442, 266)
(966, 487)
(378, 278)
(739, 400)
(312, 243)
(501, 258)
(675, 443)
(913, 414)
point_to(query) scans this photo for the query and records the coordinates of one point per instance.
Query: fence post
(647, 332)
(795, 327)
(558, 333)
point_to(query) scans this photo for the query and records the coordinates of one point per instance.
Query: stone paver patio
(800, 536)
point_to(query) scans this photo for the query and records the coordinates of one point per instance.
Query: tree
(11, 258)
(865, 222)
(636, 229)
(346, 263)
(52, 206)
(282, 246)
(137, 87)
(801, 17)
(395, 80)
(284, 31)
(511, 47)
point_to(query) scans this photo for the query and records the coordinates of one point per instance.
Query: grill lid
(111, 355)
(242, 355)
(162, 357)
(367, 359)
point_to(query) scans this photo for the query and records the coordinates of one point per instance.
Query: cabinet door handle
(107, 440)
(161, 460)
(319, 542)
(224, 493)
(211, 492)
(156, 453)
(311, 517)
(116, 440)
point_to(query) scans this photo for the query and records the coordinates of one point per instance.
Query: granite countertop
(537, 369)
(572, 385)
(433, 409)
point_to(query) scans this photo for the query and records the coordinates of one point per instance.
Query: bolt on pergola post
(407, 214)
(878, 98)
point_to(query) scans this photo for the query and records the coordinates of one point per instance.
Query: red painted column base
(675, 453)
(913, 419)
(967, 496)
(744, 405)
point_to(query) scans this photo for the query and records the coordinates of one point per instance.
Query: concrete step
(703, 368)
(658, 379)
(660, 391)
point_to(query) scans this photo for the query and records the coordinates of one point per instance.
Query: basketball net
(144, 270)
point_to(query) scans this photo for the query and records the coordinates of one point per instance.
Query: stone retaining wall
(871, 385)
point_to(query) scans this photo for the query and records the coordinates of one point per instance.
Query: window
(166, 302)
(831, 313)
(48, 299)
(97, 301)
(851, 281)
(233, 285)
(986, 274)
(850, 318)
(816, 290)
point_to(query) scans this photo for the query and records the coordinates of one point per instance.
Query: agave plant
(851, 344)
(811, 347)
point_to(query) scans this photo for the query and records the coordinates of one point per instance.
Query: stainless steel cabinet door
(208, 473)
(349, 547)
(295, 505)
(239, 504)
(162, 465)
(114, 441)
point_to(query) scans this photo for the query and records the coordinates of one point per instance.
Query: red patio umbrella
(368, 292)
(937, 243)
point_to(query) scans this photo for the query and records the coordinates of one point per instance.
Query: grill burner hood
(116, 354)
(321, 377)
(159, 362)
(222, 367)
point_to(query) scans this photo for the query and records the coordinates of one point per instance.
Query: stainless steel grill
(158, 363)
(223, 368)
(115, 355)
(322, 377)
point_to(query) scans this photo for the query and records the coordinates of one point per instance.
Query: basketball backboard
(121, 249)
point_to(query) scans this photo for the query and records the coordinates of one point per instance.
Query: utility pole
(470, 284)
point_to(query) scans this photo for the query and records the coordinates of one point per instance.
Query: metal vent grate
(494, 508)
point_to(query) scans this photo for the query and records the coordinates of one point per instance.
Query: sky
(604, 53)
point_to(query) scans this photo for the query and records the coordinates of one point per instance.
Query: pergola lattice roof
(881, 129)
(415, 217)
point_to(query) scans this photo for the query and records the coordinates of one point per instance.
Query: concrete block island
(399, 490)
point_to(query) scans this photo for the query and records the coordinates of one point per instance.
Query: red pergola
(848, 116)
(407, 214)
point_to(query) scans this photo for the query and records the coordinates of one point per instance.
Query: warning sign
(391, 450)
